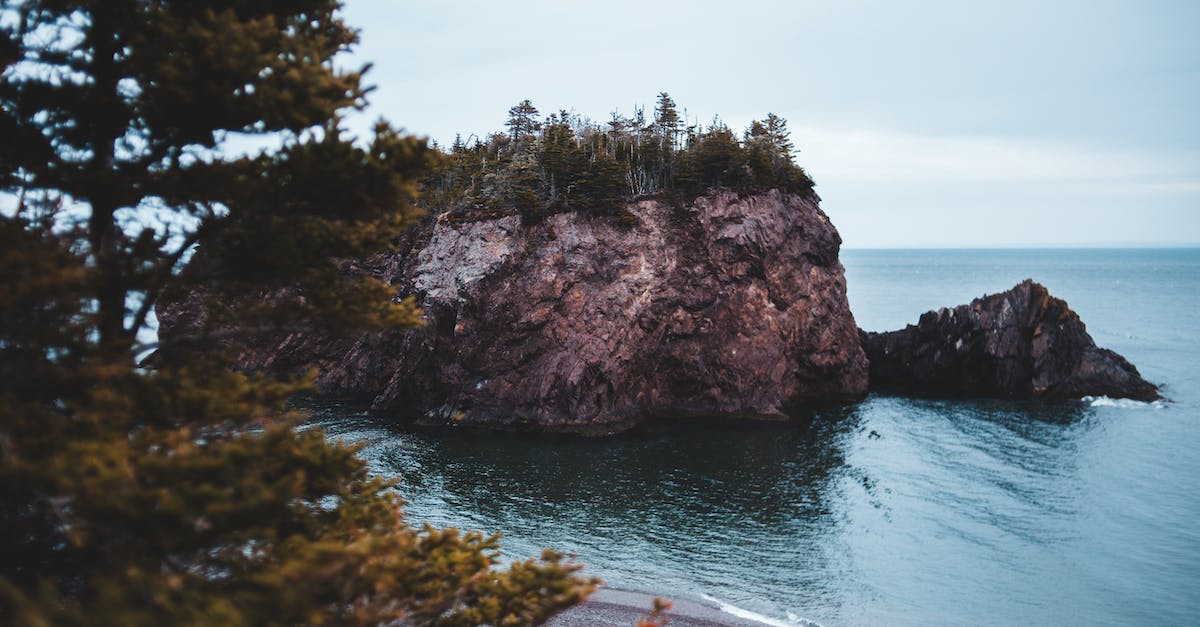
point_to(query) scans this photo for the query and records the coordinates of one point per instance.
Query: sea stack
(727, 305)
(1023, 343)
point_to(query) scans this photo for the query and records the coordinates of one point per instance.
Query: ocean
(895, 510)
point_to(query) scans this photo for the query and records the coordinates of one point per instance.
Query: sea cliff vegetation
(566, 162)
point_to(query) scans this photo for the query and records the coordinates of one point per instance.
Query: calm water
(893, 511)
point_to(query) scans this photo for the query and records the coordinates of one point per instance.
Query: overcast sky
(924, 123)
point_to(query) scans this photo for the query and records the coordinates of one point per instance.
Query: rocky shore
(1022, 343)
(624, 608)
(726, 306)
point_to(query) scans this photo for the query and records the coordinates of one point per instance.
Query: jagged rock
(724, 306)
(1023, 343)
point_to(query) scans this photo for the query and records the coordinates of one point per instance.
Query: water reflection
(892, 511)
(668, 507)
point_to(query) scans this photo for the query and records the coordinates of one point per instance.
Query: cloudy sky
(924, 123)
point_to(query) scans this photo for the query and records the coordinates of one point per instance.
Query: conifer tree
(182, 492)
(666, 121)
(716, 160)
(760, 154)
(558, 157)
(596, 167)
(522, 121)
(780, 136)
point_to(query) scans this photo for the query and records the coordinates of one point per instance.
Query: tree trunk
(103, 233)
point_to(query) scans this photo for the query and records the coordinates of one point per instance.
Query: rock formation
(728, 305)
(1023, 343)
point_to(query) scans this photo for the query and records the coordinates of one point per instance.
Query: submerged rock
(1023, 343)
(730, 306)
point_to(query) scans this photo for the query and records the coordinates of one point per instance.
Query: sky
(924, 123)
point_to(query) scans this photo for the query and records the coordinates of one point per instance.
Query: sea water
(894, 510)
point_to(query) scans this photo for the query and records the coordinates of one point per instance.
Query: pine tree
(780, 136)
(558, 157)
(785, 174)
(667, 122)
(716, 160)
(182, 492)
(601, 188)
(522, 122)
(761, 155)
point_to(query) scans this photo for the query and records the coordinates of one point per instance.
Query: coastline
(607, 606)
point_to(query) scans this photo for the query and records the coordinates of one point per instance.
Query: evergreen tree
(785, 174)
(760, 155)
(522, 122)
(781, 138)
(601, 188)
(183, 493)
(521, 185)
(558, 157)
(582, 165)
(667, 121)
(716, 160)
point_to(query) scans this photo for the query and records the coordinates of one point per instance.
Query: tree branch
(159, 282)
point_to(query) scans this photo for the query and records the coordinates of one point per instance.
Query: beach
(621, 607)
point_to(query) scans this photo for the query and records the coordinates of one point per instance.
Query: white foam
(729, 608)
(1123, 403)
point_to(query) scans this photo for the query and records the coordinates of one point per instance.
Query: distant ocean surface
(893, 511)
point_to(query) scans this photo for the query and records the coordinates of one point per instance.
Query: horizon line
(1030, 246)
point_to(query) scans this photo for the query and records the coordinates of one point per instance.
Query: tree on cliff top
(183, 493)
(522, 121)
(569, 163)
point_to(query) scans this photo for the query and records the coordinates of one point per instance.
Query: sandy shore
(620, 607)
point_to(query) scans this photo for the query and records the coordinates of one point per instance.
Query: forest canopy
(565, 162)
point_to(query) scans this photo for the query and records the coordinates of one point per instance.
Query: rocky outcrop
(732, 306)
(1023, 343)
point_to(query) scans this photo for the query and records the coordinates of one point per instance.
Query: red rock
(730, 306)
(1023, 343)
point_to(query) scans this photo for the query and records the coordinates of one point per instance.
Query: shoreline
(607, 606)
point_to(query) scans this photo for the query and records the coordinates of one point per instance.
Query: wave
(734, 610)
(1123, 403)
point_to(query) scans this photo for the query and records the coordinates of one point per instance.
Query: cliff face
(729, 306)
(1023, 343)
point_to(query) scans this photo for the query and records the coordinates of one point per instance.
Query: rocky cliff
(1023, 343)
(727, 305)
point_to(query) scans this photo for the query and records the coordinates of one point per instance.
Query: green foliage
(185, 493)
(716, 160)
(522, 121)
(569, 164)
